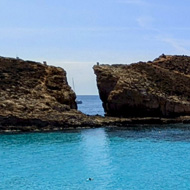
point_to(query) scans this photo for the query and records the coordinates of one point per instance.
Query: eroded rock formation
(159, 88)
(37, 97)
(33, 93)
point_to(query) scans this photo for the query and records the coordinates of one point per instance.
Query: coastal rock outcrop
(159, 88)
(37, 97)
(32, 93)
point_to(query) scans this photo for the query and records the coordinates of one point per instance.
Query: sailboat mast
(73, 84)
(77, 101)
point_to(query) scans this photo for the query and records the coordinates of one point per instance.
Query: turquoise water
(137, 158)
(151, 158)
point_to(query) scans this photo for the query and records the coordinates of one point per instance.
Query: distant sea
(148, 157)
(91, 104)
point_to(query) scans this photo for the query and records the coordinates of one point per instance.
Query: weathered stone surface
(37, 97)
(33, 93)
(160, 88)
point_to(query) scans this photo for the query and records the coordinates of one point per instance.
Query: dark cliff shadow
(172, 132)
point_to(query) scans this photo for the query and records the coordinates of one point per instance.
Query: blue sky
(75, 34)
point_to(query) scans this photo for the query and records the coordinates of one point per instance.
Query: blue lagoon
(136, 158)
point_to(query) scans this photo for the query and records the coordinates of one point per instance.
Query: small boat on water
(79, 101)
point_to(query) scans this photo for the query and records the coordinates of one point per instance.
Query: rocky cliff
(33, 93)
(37, 97)
(158, 88)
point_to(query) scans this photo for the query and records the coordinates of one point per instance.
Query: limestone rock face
(159, 88)
(31, 91)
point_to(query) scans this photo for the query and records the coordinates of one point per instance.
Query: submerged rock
(146, 89)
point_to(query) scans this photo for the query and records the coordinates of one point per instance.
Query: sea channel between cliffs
(37, 97)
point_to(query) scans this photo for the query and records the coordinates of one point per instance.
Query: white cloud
(145, 21)
(178, 45)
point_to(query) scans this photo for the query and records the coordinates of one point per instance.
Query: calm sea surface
(138, 158)
(91, 105)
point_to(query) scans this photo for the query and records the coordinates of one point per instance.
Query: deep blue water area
(91, 105)
(141, 157)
